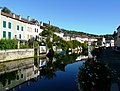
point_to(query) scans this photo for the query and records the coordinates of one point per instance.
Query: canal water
(43, 74)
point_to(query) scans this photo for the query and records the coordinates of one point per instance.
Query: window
(17, 77)
(9, 81)
(21, 75)
(35, 29)
(9, 35)
(17, 27)
(27, 36)
(4, 34)
(4, 24)
(19, 36)
(30, 36)
(15, 36)
(22, 28)
(9, 25)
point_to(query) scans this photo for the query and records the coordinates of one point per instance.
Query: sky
(90, 16)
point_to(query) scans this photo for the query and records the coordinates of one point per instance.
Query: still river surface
(56, 74)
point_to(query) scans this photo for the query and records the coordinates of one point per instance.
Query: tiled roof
(16, 17)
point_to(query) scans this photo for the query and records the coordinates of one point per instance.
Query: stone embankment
(6, 55)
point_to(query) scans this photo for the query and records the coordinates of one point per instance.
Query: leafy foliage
(94, 76)
(75, 44)
(22, 46)
(6, 10)
(8, 44)
(8, 77)
(85, 48)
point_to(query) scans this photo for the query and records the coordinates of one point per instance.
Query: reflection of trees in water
(94, 76)
(61, 61)
(8, 77)
(47, 72)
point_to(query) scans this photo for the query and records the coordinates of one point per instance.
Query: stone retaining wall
(6, 55)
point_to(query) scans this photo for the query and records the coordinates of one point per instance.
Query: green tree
(75, 44)
(8, 44)
(47, 34)
(85, 48)
(6, 10)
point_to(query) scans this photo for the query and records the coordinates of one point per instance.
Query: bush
(24, 46)
(8, 44)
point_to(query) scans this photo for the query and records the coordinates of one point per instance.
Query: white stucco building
(14, 26)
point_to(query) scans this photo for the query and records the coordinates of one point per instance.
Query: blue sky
(90, 16)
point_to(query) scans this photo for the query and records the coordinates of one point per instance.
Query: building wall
(36, 30)
(59, 34)
(7, 55)
(14, 32)
(117, 40)
(27, 29)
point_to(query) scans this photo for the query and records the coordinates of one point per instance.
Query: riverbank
(112, 59)
(17, 54)
(8, 55)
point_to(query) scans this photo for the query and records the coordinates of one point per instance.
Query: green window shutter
(4, 34)
(9, 25)
(19, 36)
(9, 35)
(17, 27)
(22, 28)
(4, 24)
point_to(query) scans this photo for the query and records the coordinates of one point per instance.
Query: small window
(22, 28)
(4, 24)
(35, 29)
(4, 34)
(9, 81)
(17, 27)
(21, 75)
(17, 77)
(27, 36)
(9, 25)
(15, 36)
(9, 35)
(19, 36)
(30, 36)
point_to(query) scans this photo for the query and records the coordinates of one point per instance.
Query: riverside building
(13, 26)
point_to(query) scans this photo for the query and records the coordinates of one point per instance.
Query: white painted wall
(13, 29)
(59, 34)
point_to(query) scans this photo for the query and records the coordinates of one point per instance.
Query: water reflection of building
(81, 57)
(19, 73)
(17, 76)
(42, 62)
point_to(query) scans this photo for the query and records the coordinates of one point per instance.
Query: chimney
(41, 24)
(0, 10)
(19, 17)
(13, 15)
(28, 18)
(49, 23)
